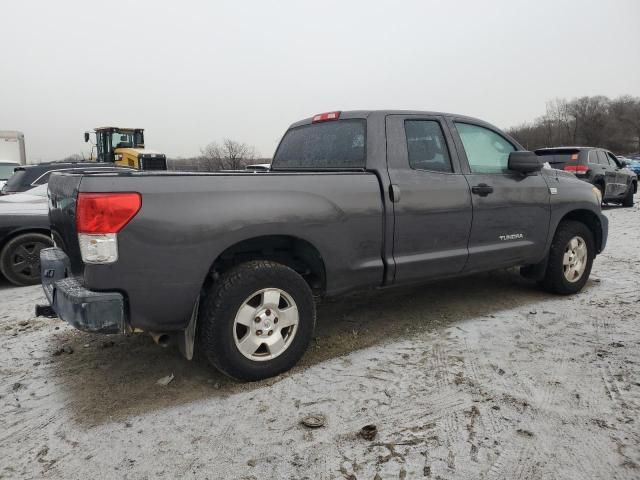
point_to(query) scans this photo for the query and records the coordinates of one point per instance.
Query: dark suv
(617, 184)
(25, 177)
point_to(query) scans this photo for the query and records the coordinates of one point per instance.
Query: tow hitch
(45, 311)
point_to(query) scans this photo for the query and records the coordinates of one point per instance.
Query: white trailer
(17, 137)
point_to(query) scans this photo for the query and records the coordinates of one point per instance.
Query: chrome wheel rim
(574, 261)
(265, 325)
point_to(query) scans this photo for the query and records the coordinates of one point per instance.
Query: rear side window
(487, 152)
(336, 144)
(426, 146)
(602, 158)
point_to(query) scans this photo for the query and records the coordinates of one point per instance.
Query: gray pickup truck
(231, 264)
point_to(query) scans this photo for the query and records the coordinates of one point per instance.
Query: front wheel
(570, 258)
(256, 320)
(20, 258)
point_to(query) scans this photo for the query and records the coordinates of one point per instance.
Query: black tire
(554, 280)
(628, 198)
(20, 258)
(216, 320)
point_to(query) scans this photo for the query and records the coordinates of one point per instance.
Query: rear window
(329, 145)
(559, 158)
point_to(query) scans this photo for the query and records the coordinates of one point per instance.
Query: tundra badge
(513, 236)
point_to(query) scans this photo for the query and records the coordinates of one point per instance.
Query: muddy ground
(484, 377)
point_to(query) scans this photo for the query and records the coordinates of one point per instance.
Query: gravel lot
(484, 377)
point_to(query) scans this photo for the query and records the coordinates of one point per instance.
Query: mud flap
(186, 338)
(535, 271)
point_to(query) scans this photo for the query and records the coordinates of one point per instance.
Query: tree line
(595, 121)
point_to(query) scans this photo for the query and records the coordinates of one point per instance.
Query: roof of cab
(349, 114)
(122, 129)
(558, 149)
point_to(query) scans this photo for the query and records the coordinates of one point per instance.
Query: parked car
(26, 177)
(634, 166)
(6, 170)
(230, 263)
(24, 231)
(601, 168)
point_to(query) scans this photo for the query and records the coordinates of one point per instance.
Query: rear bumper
(96, 312)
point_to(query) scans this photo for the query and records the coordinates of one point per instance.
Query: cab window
(426, 146)
(487, 151)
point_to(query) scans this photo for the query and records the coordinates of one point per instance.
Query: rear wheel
(628, 199)
(20, 258)
(570, 258)
(256, 320)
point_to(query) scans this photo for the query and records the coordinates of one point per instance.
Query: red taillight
(105, 212)
(576, 168)
(324, 117)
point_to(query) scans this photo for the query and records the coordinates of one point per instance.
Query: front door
(431, 199)
(511, 211)
(621, 177)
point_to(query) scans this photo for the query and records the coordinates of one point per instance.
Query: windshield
(331, 145)
(6, 170)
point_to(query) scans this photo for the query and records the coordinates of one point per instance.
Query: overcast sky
(191, 72)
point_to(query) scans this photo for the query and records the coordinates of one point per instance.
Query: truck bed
(188, 220)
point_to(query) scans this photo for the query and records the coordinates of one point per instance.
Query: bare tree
(590, 116)
(591, 121)
(230, 155)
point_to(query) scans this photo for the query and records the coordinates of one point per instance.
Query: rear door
(511, 211)
(430, 198)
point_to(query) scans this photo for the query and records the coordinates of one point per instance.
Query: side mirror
(524, 162)
(86, 136)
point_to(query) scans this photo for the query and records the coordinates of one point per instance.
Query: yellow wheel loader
(125, 147)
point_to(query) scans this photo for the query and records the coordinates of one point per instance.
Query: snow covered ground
(481, 377)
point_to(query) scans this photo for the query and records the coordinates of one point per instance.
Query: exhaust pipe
(161, 339)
